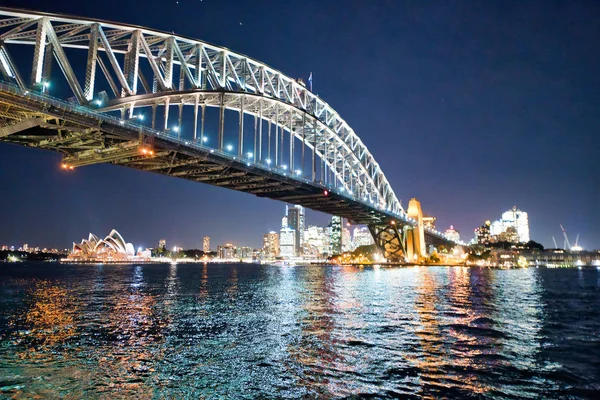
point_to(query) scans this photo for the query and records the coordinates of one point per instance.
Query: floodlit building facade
(512, 218)
(206, 244)
(452, 234)
(287, 242)
(112, 248)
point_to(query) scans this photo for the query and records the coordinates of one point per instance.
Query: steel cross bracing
(158, 71)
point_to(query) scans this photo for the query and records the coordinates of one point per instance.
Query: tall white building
(287, 242)
(362, 237)
(316, 240)
(512, 218)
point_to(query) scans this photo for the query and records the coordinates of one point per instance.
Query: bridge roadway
(346, 181)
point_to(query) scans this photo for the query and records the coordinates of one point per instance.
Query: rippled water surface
(249, 331)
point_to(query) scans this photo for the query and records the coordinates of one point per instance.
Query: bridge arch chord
(139, 64)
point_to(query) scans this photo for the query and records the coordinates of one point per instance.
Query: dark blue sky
(472, 107)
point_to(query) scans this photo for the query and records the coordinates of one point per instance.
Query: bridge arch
(138, 66)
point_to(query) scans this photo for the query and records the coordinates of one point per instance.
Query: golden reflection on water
(316, 348)
(137, 330)
(48, 321)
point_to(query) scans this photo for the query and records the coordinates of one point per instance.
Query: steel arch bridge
(159, 102)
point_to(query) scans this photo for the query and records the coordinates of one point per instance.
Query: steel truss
(136, 61)
(114, 68)
(391, 239)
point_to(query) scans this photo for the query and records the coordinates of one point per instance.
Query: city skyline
(483, 182)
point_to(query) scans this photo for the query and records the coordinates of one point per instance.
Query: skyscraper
(336, 234)
(512, 218)
(287, 242)
(362, 237)
(206, 244)
(162, 244)
(271, 244)
(295, 219)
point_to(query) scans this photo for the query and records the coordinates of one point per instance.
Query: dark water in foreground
(248, 331)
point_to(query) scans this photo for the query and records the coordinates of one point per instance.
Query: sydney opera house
(112, 248)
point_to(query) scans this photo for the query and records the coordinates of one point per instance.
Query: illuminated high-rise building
(162, 244)
(226, 251)
(452, 234)
(512, 218)
(362, 237)
(482, 234)
(295, 220)
(346, 240)
(335, 234)
(316, 241)
(206, 244)
(287, 242)
(271, 244)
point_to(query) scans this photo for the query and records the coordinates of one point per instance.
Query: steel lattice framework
(143, 69)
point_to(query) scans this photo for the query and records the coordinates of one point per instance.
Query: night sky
(471, 107)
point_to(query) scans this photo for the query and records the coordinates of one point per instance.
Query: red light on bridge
(325, 192)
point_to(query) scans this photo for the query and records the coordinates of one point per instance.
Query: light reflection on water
(173, 331)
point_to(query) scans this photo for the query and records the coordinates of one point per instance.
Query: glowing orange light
(393, 222)
(64, 166)
(70, 167)
(151, 152)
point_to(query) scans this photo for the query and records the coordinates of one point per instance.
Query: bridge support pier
(389, 238)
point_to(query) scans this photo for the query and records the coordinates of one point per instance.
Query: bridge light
(325, 192)
(98, 102)
(393, 222)
(175, 129)
(122, 122)
(204, 139)
(71, 167)
(141, 117)
(250, 155)
(229, 147)
(268, 161)
(284, 167)
(64, 166)
(46, 84)
(298, 172)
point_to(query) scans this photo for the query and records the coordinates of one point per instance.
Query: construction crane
(567, 245)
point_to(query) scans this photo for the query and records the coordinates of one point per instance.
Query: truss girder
(202, 65)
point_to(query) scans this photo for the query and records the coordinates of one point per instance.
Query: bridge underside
(83, 140)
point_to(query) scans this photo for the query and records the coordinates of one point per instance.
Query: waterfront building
(26, 247)
(295, 221)
(226, 251)
(362, 237)
(162, 244)
(112, 248)
(287, 242)
(316, 241)
(452, 234)
(482, 234)
(335, 235)
(206, 244)
(346, 240)
(429, 222)
(244, 252)
(512, 218)
(271, 244)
